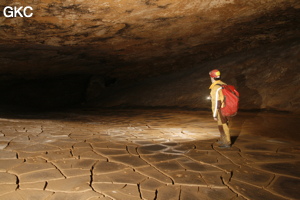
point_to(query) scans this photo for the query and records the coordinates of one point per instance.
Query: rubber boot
(223, 142)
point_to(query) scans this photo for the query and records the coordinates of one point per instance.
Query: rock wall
(267, 78)
(149, 52)
(136, 39)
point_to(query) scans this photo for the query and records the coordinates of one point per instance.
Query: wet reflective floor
(147, 154)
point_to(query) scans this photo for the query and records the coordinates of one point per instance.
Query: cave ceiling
(129, 39)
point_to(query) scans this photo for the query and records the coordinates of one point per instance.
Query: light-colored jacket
(216, 97)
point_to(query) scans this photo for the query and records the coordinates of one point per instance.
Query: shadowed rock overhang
(133, 40)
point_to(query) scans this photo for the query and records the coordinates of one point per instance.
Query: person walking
(217, 102)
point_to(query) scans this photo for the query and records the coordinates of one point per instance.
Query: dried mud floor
(146, 154)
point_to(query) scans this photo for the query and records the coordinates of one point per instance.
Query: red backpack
(231, 100)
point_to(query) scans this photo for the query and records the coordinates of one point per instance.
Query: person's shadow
(250, 102)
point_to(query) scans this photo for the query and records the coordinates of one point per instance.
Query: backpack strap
(216, 102)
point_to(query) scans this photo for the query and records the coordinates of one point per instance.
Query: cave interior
(149, 54)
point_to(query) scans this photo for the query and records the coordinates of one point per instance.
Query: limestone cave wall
(149, 52)
(267, 78)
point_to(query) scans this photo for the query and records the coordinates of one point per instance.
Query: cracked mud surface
(140, 154)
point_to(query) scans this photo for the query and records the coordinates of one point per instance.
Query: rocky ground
(144, 154)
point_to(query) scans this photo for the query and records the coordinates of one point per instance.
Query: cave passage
(108, 99)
